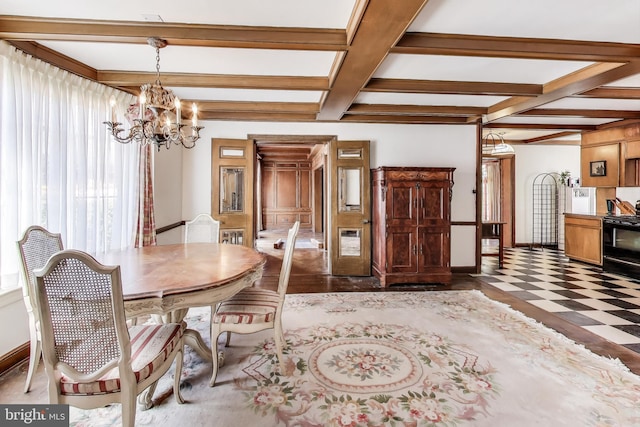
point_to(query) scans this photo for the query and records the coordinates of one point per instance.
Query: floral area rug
(451, 358)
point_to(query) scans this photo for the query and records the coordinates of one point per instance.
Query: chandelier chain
(158, 66)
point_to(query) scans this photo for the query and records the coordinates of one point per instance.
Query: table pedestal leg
(194, 340)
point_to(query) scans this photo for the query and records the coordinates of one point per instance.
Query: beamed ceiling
(541, 72)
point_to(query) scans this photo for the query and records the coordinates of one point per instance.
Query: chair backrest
(287, 259)
(35, 248)
(83, 299)
(203, 228)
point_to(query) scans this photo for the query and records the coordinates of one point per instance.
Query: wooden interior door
(350, 195)
(232, 189)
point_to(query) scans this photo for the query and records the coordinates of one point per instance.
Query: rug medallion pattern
(397, 359)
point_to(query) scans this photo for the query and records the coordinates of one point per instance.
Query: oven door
(621, 249)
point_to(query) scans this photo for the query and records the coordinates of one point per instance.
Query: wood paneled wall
(286, 194)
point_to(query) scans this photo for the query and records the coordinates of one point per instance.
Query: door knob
(365, 221)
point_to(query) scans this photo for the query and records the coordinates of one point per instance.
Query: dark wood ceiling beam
(515, 47)
(452, 87)
(375, 118)
(415, 110)
(256, 116)
(32, 28)
(580, 81)
(382, 24)
(546, 138)
(603, 114)
(539, 126)
(250, 106)
(57, 59)
(128, 78)
(611, 92)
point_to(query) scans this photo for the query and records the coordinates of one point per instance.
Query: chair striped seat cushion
(251, 305)
(151, 345)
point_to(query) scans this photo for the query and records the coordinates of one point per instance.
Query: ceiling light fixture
(157, 106)
(493, 145)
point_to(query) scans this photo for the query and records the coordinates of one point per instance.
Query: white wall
(532, 160)
(391, 145)
(13, 315)
(167, 189)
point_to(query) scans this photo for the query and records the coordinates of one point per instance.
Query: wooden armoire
(412, 224)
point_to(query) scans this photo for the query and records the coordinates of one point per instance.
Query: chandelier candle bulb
(143, 100)
(178, 114)
(112, 102)
(194, 120)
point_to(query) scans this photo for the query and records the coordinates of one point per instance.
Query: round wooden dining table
(169, 279)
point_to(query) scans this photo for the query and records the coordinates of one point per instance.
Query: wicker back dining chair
(255, 309)
(203, 228)
(91, 358)
(35, 248)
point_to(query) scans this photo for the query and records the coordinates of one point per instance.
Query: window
(60, 168)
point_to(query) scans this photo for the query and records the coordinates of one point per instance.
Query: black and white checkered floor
(605, 304)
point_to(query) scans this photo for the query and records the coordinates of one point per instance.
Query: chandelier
(493, 145)
(159, 117)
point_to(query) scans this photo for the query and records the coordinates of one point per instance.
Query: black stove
(629, 220)
(621, 245)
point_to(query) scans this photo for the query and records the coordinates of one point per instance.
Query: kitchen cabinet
(619, 148)
(607, 153)
(412, 224)
(583, 238)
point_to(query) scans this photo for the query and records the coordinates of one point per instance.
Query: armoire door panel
(433, 253)
(401, 250)
(402, 202)
(432, 205)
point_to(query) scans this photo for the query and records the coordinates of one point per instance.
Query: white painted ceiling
(615, 21)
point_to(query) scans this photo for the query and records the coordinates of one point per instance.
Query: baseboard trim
(464, 270)
(15, 356)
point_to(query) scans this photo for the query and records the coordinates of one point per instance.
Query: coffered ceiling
(539, 71)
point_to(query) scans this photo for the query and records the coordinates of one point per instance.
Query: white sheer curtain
(60, 169)
(491, 190)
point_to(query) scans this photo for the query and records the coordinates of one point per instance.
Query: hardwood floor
(310, 274)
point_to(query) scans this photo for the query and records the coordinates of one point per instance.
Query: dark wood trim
(452, 87)
(14, 357)
(57, 59)
(390, 118)
(582, 80)
(478, 191)
(469, 223)
(469, 269)
(177, 34)
(515, 47)
(378, 30)
(169, 227)
(574, 112)
(137, 78)
(416, 109)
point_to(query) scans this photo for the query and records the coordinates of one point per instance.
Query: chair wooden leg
(146, 398)
(177, 376)
(129, 408)
(279, 342)
(34, 360)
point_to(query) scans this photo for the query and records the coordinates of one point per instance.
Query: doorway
(498, 203)
(291, 187)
